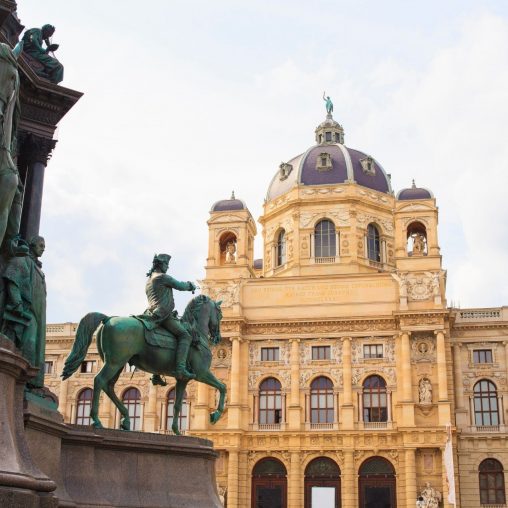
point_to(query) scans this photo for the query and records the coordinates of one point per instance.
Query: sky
(186, 101)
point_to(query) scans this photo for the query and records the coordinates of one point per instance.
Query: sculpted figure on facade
(231, 252)
(431, 496)
(418, 244)
(24, 314)
(228, 293)
(425, 391)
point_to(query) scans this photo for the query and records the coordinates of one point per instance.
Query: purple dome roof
(226, 205)
(414, 192)
(345, 165)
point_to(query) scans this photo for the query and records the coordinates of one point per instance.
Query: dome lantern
(329, 131)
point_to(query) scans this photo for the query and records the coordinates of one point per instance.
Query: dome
(227, 205)
(414, 193)
(328, 163)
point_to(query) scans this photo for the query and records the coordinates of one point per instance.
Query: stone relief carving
(388, 348)
(337, 378)
(255, 352)
(425, 391)
(365, 219)
(226, 218)
(418, 286)
(304, 378)
(222, 355)
(228, 292)
(423, 349)
(360, 373)
(253, 378)
(285, 376)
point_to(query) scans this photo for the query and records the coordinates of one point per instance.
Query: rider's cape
(156, 335)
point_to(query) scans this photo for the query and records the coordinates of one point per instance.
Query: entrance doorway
(377, 484)
(322, 484)
(269, 484)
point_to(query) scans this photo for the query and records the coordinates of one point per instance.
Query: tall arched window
(491, 476)
(84, 404)
(375, 407)
(281, 248)
(321, 400)
(270, 402)
(485, 403)
(322, 483)
(269, 483)
(324, 239)
(376, 483)
(183, 417)
(132, 400)
(373, 243)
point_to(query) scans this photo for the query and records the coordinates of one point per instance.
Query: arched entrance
(269, 484)
(377, 484)
(322, 484)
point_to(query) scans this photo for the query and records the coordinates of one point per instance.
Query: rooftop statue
(156, 342)
(24, 314)
(329, 103)
(11, 188)
(33, 39)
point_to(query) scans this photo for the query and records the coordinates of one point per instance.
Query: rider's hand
(192, 286)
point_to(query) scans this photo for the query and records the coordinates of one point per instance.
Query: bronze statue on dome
(328, 105)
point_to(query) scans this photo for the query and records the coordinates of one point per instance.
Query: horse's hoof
(125, 425)
(97, 425)
(176, 432)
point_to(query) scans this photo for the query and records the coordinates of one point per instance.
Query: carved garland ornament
(228, 292)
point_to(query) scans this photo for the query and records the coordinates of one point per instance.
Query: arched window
(281, 248)
(321, 401)
(322, 483)
(269, 483)
(83, 407)
(376, 483)
(183, 417)
(270, 402)
(325, 244)
(416, 239)
(132, 400)
(485, 403)
(491, 476)
(375, 407)
(373, 243)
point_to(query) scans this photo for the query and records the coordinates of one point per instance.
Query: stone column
(410, 469)
(347, 416)
(201, 416)
(444, 405)
(408, 412)
(294, 498)
(295, 409)
(151, 410)
(461, 409)
(234, 408)
(35, 153)
(233, 479)
(348, 481)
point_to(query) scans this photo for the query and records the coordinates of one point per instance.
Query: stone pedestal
(21, 481)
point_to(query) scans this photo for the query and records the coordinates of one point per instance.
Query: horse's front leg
(209, 379)
(181, 384)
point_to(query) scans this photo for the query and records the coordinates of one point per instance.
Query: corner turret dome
(329, 162)
(226, 205)
(414, 192)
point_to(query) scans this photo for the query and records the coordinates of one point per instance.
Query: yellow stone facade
(346, 302)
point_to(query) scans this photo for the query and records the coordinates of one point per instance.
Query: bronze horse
(122, 339)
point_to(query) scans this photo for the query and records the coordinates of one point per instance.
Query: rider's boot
(181, 359)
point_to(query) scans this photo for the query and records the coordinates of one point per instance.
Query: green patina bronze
(24, 311)
(33, 38)
(122, 340)
(329, 104)
(11, 188)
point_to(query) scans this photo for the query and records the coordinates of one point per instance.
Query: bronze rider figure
(161, 305)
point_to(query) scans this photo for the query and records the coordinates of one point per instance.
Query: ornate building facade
(344, 365)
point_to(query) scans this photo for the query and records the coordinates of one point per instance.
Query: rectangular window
(373, 351)
(48, 367)
(320, 352)
(88, 366)
(328, 136)
(482, 356)
(269, 354)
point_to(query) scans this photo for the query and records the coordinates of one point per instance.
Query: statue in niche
(418, 244)
(11, 188)
(434, 285)
(431, 496)
(52, 69)
(328, 104)
(24, 314)
(425, 391)
(231, 252)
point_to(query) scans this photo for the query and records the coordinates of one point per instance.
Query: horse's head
(214, 321)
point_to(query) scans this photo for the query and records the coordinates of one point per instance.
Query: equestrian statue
(156, 342)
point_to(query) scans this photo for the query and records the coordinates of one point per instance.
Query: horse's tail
(84, 334)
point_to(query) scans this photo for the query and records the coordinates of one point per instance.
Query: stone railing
(61, 329)
(322, 426)
(472, 315)
(269, 426)
(325, 260)
(487, 428)
(376, 425)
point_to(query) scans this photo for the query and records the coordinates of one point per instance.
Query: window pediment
(324, 162)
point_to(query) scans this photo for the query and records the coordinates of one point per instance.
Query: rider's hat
(160, 258)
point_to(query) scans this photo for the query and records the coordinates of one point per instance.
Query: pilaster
(295, 409)
(444, 404)
(408, 412)
(233, 479)
(234, 406)
(347, 409)
(348, 481)
(410, 476)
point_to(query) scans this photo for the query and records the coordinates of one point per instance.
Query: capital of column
(436, 332)
(294, 340)
(35, 148)
(458, 345)
(232, 339)
(344, 339)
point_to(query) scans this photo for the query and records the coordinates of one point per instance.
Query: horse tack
(122, 339)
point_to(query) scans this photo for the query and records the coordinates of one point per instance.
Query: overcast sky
(186, 101)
